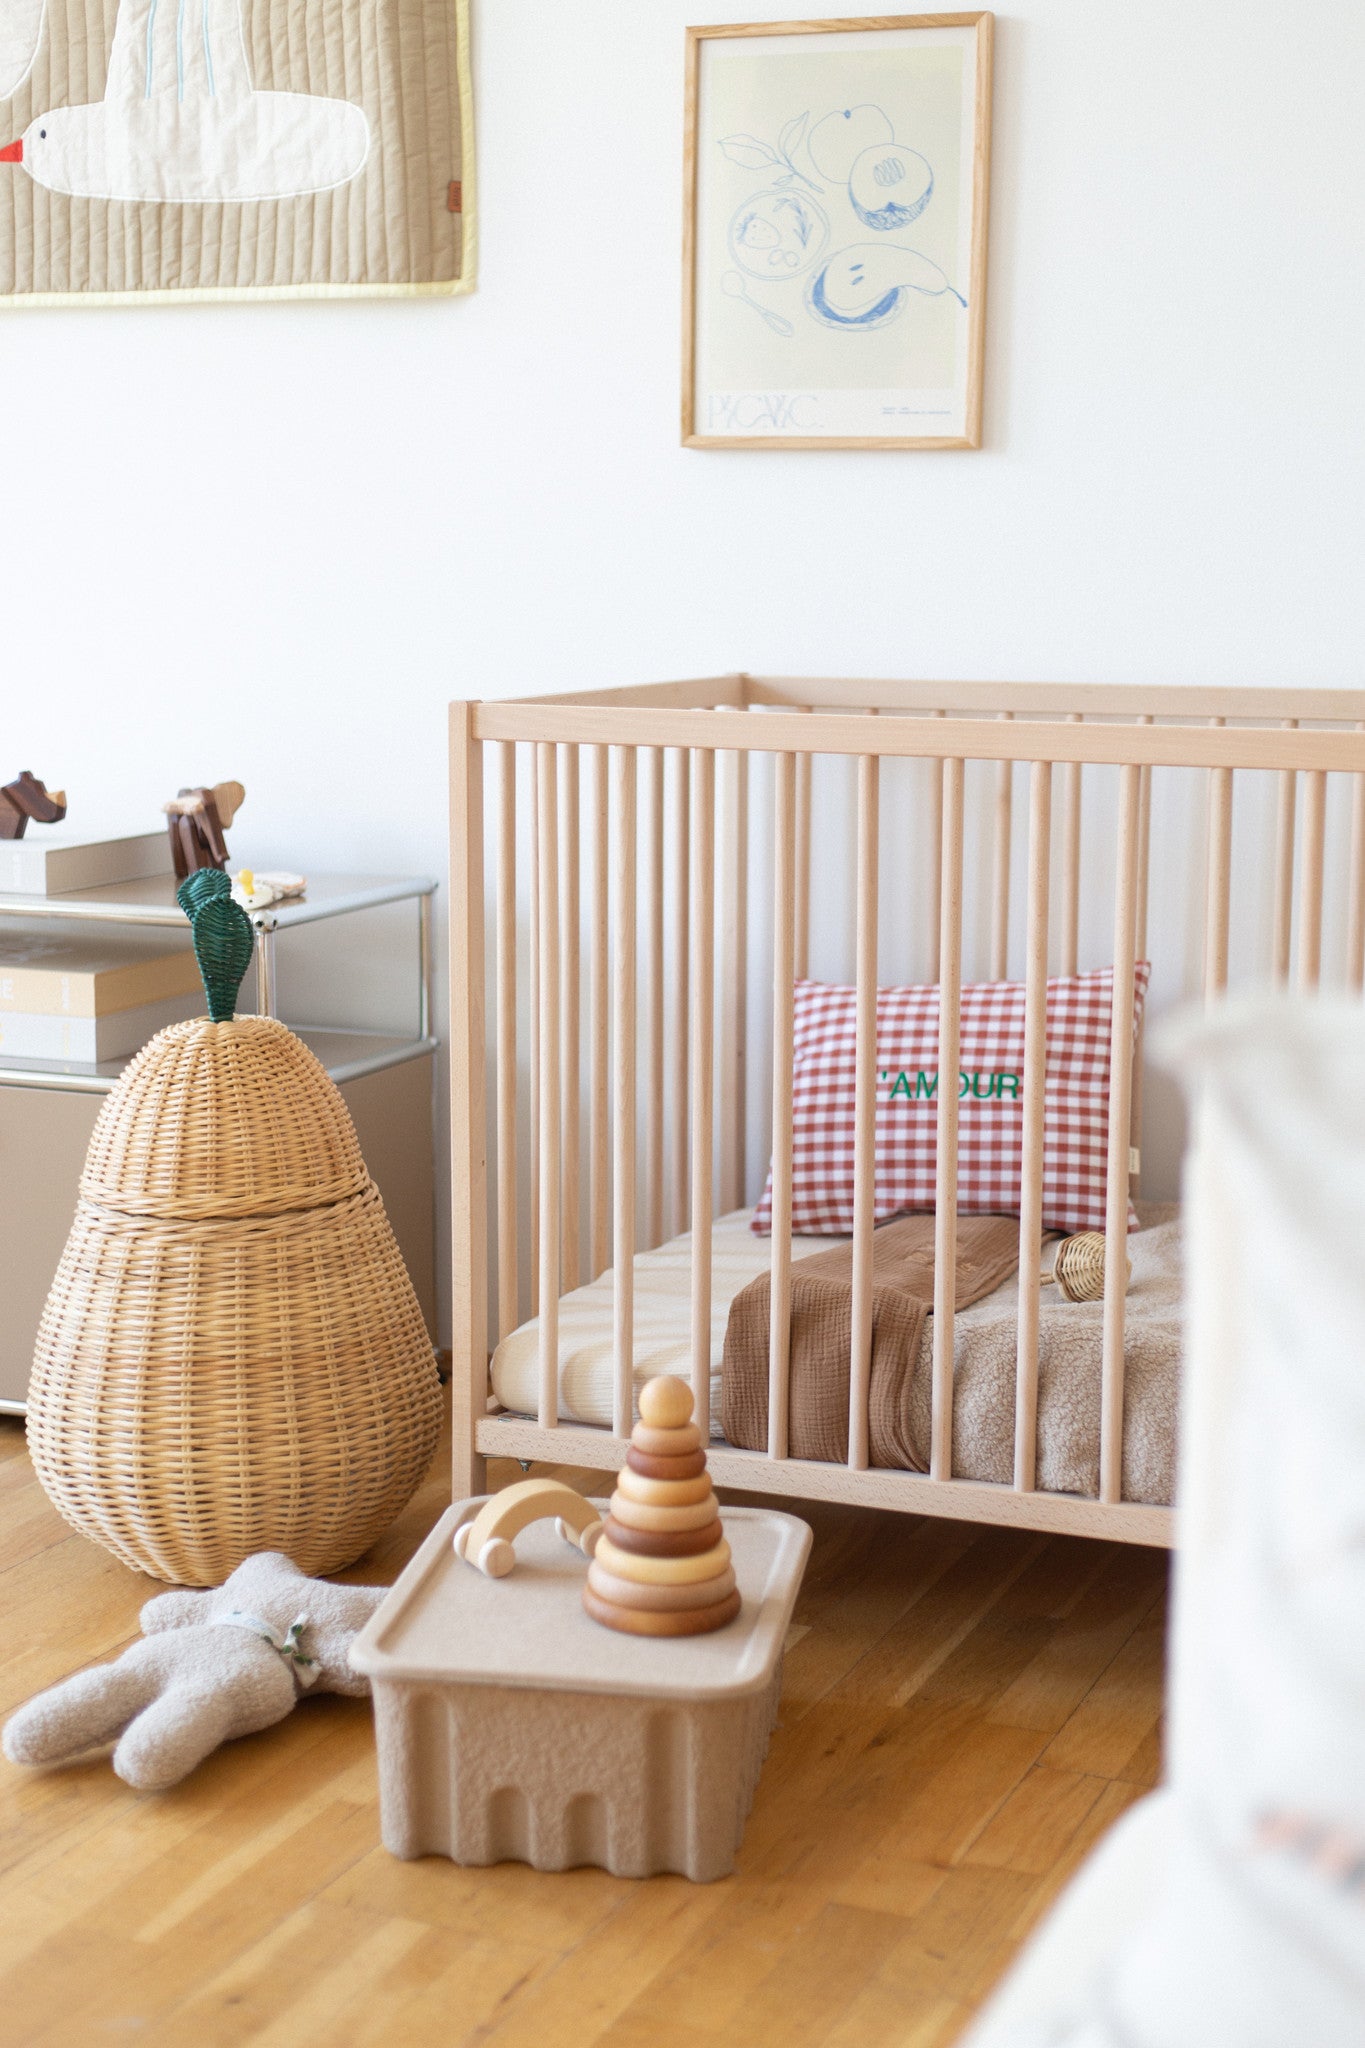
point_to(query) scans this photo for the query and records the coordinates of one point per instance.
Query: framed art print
(216, 149)
(834, 268)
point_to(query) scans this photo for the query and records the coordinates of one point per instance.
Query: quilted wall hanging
(194, 149)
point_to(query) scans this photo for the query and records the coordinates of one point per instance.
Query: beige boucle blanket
(1070, 1341)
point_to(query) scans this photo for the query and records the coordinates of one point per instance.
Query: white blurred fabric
(1225, 1940)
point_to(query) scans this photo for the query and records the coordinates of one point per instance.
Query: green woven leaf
(222, 935)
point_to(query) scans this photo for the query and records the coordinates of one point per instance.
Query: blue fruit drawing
(865, 286)
(889, 186)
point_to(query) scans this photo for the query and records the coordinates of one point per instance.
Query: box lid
(445, 1623)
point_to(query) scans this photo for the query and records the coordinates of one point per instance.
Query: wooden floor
(965, 1712)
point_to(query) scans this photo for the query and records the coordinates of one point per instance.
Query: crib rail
(663, 777)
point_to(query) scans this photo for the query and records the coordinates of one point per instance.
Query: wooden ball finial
(666, 1403)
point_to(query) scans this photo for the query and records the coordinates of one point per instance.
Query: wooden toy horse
(26, 798)
(196, 820)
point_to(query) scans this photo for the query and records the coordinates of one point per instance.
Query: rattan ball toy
(1078, 1266)
(232, 1358)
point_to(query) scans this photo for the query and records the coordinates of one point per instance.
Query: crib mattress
(1070, 1340)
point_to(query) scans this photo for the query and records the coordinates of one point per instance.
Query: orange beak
(13, 152)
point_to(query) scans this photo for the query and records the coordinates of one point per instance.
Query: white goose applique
(180, 122)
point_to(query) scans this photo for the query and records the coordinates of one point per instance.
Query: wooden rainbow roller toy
(662, 1565)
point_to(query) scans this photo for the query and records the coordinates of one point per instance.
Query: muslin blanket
(821, 1330)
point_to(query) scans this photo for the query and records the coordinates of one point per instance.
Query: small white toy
(209, 1666)
(486, 1542)
(255, 889)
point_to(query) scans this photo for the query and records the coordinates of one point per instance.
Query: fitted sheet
(1070, 1341)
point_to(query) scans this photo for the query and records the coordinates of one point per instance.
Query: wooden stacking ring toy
(626, 1593)
(666, 1443)
(662, 1571)
(689, 1466)
(662, 1566)
(639, 1514)
(683, 1543)
(686, 1621)
(664, 1493)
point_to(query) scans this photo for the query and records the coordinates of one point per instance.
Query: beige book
(87, 1040)
(48, 863)
(47, 970)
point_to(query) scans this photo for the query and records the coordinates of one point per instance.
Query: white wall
(272, 541)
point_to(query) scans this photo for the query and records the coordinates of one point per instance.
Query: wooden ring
(639, 1514)
(666, 1443)
(683, 1543)
(635, 1621)
(661, 1571)
(660, 1599)
(662, 1493)
(688, 1466)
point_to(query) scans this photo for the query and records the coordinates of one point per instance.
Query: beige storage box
(512, 1727)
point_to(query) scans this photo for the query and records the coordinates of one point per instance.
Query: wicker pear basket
(231, 1358)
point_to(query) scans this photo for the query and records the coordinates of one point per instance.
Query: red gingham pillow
(990, 1123)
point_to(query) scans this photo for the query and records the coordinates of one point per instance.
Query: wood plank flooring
(965, 1712)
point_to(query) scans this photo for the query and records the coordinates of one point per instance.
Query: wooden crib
(620, 1049)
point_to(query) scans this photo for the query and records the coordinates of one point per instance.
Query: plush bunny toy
(209, 1666)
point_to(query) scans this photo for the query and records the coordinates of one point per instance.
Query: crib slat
(678, 1032)
(1071, 858)
(1000, 885)
(654, 996)
(864, 1113)
(623, 1119)
(785, 931)
(734, 864)
(570, 1175)
(533, 998)
(703, 1073)
(1035, 1104)
(549, 1248)
(599, 1005)
(1310, 883)
(1144, 870)
(1217, 883)
(949, 1065)
(801, 959)
(508, 1318)
(1355, 915)
(1144, 887)
(935, 773)
(1120, 1117)
(1287, 788)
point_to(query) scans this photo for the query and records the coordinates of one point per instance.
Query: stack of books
(73, 994)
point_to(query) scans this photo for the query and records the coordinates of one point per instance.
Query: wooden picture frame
(817, 311)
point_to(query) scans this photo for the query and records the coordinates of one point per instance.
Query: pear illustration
(232, 1358)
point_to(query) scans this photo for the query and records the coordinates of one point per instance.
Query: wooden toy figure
(196, 820)
(661, 1566)
(26, 798)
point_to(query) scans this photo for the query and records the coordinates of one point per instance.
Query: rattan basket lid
(222, 1115)
(235, 1118)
